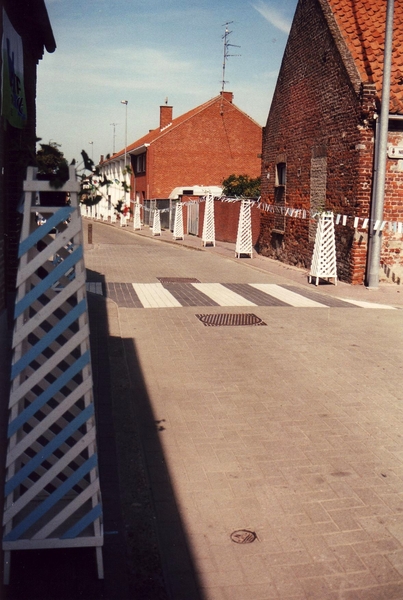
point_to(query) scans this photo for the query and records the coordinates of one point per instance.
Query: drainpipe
(375, 237)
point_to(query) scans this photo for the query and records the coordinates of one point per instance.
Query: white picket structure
(208, 234)
(178, 224)
(244, 237)
(52, 490)
(324, 265)
(156, 230)
(137, 218)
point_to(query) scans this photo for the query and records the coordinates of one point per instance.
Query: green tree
(52, 164)
(241, 186)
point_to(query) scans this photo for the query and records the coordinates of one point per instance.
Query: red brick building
(319, 140)
(201, 147)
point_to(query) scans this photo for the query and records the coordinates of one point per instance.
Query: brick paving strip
(292, 431)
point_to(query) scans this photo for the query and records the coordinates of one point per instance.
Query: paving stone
(291, 430)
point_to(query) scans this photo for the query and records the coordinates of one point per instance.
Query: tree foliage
(53, 166)
(241, 186)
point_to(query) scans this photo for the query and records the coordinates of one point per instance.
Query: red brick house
(318, 143)
(199, 148)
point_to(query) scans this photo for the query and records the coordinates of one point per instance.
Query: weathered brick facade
(321, 127)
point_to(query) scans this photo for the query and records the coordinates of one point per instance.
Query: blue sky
(145, 52)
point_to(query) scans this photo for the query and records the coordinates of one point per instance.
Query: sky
(147, 51)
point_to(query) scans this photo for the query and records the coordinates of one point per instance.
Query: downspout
(375, 237)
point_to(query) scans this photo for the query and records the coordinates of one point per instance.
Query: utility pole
(375, 237)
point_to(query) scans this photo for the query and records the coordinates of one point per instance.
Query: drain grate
(219, 320)
(243, 536)
(178, 280)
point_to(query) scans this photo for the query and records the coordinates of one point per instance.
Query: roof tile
(362, 24)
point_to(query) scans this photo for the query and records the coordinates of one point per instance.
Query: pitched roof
(362, 25)
(156, 134)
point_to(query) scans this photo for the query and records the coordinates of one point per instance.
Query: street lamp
(126, 103)
(92, 150)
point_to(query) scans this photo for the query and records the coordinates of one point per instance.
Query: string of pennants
(299, 213)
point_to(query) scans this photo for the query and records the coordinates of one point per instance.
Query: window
(279, 193)
(141, 163)
(281, 172)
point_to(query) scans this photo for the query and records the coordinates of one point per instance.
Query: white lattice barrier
(52, 491)
(136, 218)
(324, 264)
(156, 230)
(208, 235)
(244, 237)
(178, 224)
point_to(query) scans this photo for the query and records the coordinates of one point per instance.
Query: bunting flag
(297, 213)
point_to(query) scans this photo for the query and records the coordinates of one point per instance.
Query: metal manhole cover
(243, 536)
(218, 320)
(178, 280)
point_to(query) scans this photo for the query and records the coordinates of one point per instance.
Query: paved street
(250, 431)
(274, 452)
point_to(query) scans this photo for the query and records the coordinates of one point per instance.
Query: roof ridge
(156, 134)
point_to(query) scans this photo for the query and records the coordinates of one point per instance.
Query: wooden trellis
(156, 222)
(208, 235)
(244, 237)
(323, 265)
(136, 218)
(178, 225)
(52, 491)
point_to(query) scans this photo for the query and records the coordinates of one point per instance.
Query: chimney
(227, 96)
(165, 116)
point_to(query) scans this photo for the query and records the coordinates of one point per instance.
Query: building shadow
(146, 553)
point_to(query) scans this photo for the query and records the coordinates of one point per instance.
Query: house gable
(201, 147)
(316, 133)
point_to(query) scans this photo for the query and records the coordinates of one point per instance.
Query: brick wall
(316, 112)
(204, 150)
(226, 218)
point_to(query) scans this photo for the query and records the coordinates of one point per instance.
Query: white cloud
(273, 16)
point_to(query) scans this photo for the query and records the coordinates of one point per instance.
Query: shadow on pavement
(145, 551)
(159, 565)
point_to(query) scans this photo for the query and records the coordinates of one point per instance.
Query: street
(249, 432)
(290, 431)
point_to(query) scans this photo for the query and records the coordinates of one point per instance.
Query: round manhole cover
(243, 536)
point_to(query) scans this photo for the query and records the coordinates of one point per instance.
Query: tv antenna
(227, 54)
(114, 134)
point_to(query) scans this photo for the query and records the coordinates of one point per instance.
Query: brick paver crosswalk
(175, 295)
